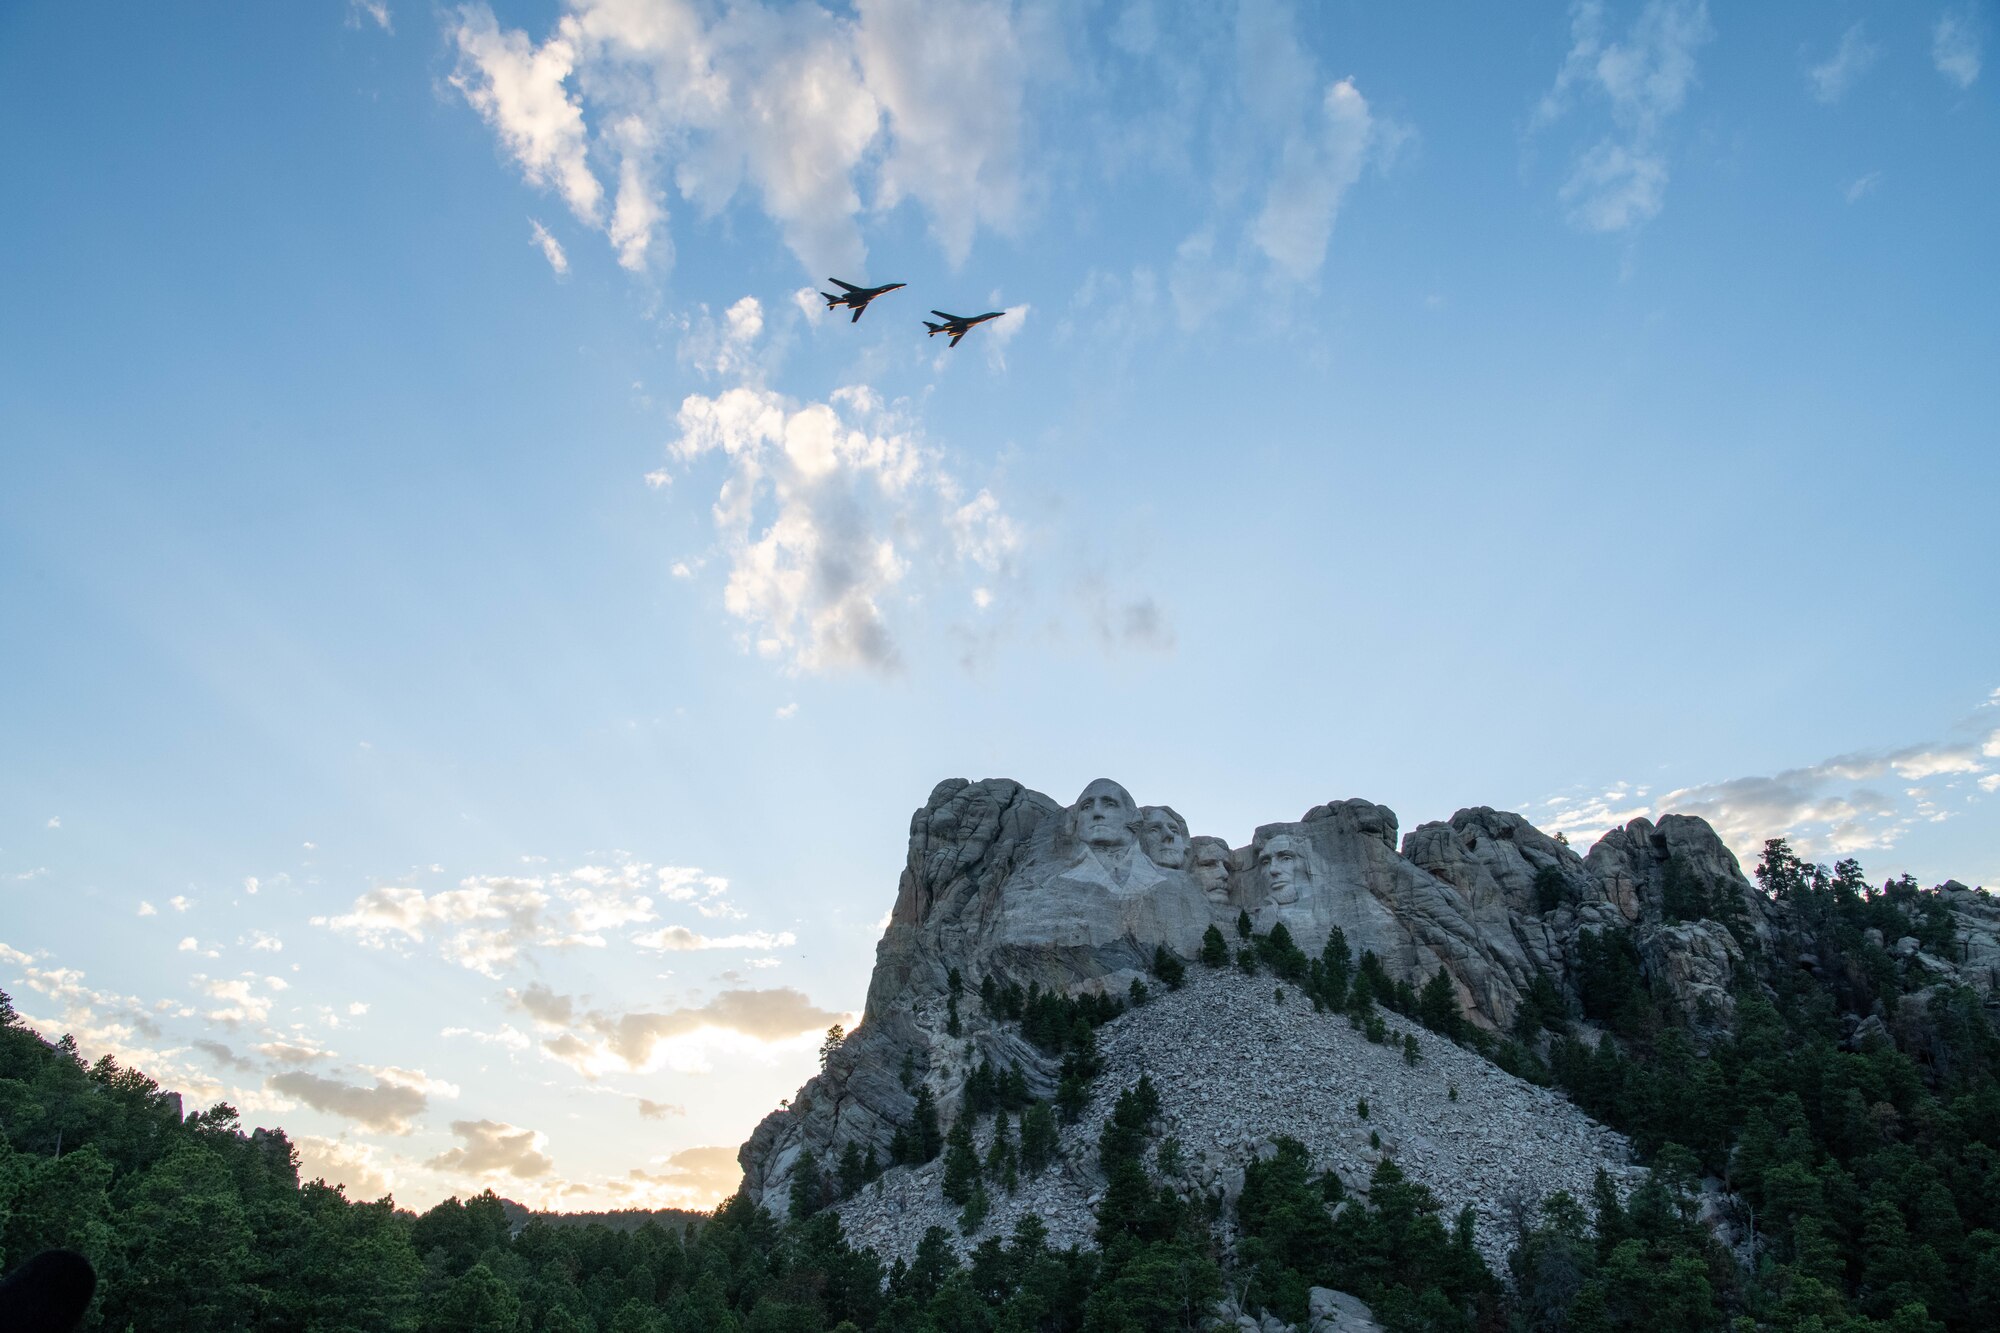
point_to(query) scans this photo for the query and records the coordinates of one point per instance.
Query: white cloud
(492, 1148)
(824, 512)
(801, 107)
(1620, 181)
(55, 821)
(267, 943)
(240, 1004)
(551, 248)
(674, 939)
(1839, 806)
(707, 894)
(298, 1052)
(413, 1078)
(1862, 186)
(387, 1107)
(375, 10)
(352, 1165)
(520, 89)
(726, 346)
(635, 215)
(786, 712)
(179, 904)
(1956, 46)
(595, 1042)
(1832, 77)
(653, 1110)
(189, 944)
(1317, 167)
(950, 76)
(147, 909)
(487, 922)
(356, 1009)
(691, 1178)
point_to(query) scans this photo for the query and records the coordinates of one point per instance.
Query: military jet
(858, 297)
(958, 325)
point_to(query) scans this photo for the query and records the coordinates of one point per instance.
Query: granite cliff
(1006, 888)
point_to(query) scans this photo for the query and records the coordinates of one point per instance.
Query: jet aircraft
(858, 297)
(958, 325)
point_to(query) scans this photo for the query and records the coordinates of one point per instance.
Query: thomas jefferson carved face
(1211, 867)
(1104, 816)
(1283, 861)
(1164, 835)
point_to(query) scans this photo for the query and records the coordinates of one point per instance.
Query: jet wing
(956, 336)
(857, 312)
(844, 286)
(942, 315)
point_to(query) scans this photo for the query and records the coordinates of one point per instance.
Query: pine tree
(1168, 967)
(1437, 1005)
(1000, 1156)
(961, 1162)
(853, 1170)
(1038, 1138)
(1214, 949)
(808, 1190)
(1242, 924)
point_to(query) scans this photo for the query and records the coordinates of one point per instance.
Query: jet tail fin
(832, 301)
(934, 328)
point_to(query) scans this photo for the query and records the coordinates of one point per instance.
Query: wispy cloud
(1641, 80)
(375, 11)
(690, 1178)
(595, 1042)
(1832, 77)
(384, 1106)
(493, 1148)
(830, 515)
(680, 938)
(1856, 802)
(551, 248)
(1863, 186)
(488, 922)
(798, 106)
(1956, 46)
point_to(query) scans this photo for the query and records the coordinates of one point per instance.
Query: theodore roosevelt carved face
(1104, 816)
(1164, 835)
(1211, 867)
(1283, 861)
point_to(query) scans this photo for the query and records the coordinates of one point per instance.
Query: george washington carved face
(1104, 816)
(1283, 861)
(1164, 835)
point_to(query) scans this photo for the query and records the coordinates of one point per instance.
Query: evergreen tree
(1214, 949)
(961, 1161)
(1038, 1138)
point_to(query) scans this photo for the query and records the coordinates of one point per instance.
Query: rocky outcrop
(1235, 1066)
(1004, 885)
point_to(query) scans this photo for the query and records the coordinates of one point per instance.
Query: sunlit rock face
(1007, 885)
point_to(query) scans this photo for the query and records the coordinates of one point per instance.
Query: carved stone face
(1104, 816)
(1164, 836)
(1211, 867)
(1283, 861)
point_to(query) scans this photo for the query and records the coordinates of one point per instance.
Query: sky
(476, 627)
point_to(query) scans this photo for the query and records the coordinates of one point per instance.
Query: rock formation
(1005, 886)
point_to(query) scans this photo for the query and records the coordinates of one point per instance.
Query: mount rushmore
(1005, 887)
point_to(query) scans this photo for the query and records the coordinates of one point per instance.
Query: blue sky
(477, 629)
